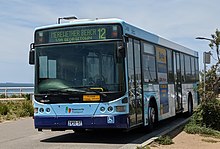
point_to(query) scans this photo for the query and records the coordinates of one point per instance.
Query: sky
(180, 21)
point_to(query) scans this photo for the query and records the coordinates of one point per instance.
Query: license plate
(75, 123)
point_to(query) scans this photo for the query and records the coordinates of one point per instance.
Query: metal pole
(204, 78)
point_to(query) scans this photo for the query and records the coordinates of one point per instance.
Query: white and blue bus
(106, 73)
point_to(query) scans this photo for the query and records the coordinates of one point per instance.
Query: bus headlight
(110, 109)
(120, 108)
(41, 110)
(102, 109)
(47, 110)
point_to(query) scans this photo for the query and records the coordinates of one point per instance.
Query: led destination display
(78, 33)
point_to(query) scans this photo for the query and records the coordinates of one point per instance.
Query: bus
(109, 74)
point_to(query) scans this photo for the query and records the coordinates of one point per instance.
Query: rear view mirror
(31, 55)
(121, 51)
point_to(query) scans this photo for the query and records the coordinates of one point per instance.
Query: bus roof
(129, 29)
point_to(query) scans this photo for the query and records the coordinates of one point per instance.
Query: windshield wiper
(97, 92)
(93, 89)
(62, 91)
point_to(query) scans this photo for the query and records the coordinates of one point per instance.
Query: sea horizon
(15, 84)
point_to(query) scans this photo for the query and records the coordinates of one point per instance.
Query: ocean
(9, 89)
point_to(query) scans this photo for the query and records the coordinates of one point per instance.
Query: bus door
(178, 83)
(134, 82)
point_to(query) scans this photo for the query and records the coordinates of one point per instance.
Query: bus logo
(68, 110)
(73, 110)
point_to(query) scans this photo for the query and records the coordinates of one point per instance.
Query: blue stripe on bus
(45, 122)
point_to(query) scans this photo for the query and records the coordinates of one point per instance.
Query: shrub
(3, 109)
(205, 120)
(15, 109)
(14, 96)
(2, 96)
(27, 108)
(26, 96)
(211, 114)
(164, 140)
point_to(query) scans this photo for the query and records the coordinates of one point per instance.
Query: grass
(10, 110)
(193, 128)
(164, 140)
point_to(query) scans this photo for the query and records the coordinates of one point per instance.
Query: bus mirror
(125, 39)
(31, 54)
(31, 57)
(121, 51)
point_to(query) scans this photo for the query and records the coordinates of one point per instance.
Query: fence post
(20, 92)
(6, 92)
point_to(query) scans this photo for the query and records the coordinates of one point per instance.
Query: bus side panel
(171, 103)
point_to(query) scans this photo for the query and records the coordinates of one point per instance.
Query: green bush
(164, 140)
(26, 96)
(211, 114)
(2, 96)
(3, 109)
(27, 109)
(15, 109)
(195, 129)
(206, 119)
(15, 96)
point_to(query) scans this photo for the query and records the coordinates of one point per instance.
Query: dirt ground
(190, 141)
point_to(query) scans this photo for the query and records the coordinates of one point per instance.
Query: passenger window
(170, 66)
(149, 64)
(193, 77)
(188, 71)
(183, 79)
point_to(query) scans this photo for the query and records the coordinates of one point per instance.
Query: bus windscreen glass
(78, 33)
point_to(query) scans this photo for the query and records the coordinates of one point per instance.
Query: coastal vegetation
(206, 119)
(14, 109)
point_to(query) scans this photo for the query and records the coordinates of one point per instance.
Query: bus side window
(188, 71)
(149, 63)
(197, 69)
(183, 79)
(170, 66)
(193, 77)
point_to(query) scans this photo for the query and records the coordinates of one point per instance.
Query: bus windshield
(80, 66)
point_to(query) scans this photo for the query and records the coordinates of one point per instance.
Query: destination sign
(78, 33)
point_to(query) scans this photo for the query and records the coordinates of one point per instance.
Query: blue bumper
(44, 122)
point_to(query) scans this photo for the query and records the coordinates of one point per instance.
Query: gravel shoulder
(189, 141)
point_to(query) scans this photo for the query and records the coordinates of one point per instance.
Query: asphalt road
(21, 134)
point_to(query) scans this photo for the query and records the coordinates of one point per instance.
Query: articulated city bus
(106, 73)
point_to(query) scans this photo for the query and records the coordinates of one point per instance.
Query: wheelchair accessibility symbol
(110, 119)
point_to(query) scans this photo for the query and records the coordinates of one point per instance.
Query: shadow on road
(109, 137)
(137, 136)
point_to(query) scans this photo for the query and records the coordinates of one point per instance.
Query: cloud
(177, 20)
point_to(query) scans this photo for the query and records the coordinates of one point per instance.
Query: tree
(214, 42)
(208, 113)
(212, 79)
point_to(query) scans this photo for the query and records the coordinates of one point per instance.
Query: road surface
(21, 134)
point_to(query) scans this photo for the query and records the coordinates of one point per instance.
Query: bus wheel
(151, 116)
(190, 106)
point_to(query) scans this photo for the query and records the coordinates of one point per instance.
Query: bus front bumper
(53, 123)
